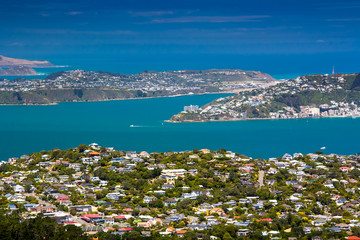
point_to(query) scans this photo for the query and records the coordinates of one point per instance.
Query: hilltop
(319, 95)
(198, 194)
(10, 62)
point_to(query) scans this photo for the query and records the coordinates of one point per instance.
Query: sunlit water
(26, 129)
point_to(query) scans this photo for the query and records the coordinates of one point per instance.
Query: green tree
(227, 236)
(27, 188)
(82, 147)
(190, 235)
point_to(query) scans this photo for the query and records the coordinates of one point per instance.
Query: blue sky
(130, 36)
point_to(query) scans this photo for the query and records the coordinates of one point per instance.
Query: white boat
(132, 125)
(322, 148)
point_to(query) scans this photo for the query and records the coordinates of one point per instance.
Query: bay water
(26, 129)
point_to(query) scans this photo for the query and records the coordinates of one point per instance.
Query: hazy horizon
(277, 37)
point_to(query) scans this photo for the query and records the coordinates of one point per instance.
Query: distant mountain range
(6, 62)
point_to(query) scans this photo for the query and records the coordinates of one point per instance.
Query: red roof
(249, 164)
(121, 217)
(94, 153)
(90, 216)
(265, 219)
(353, 238)
(62, 198)
(125, 229)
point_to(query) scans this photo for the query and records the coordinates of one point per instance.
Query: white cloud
(150, 13)
(73, 13)
(212, 19)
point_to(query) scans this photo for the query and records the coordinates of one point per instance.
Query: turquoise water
(26, 129)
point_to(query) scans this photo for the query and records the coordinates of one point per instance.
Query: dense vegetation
(49, 96)
(39, 228)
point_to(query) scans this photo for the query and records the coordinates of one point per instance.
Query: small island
(311, 96)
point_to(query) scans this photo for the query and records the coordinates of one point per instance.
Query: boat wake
(143, 126)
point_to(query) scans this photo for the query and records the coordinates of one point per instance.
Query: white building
(191, 108)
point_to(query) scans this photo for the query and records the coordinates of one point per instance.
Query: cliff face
(10, 62)
(17, 71)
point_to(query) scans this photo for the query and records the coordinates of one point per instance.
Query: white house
(19, 189)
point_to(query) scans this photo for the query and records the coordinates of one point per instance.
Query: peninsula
(7, 62)
(90, 191)
(17, 70)
(311, 96)
(79, 85)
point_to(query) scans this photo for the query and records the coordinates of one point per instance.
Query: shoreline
(118, 99)
(22, 75)
(253, 119)
(45, 104)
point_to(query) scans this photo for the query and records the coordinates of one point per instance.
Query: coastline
(119, 99)
(39, 104)
(22, 75)
(254, 119)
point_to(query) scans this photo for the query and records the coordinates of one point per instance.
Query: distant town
(146, 81)
(335, 95)
(197, 194)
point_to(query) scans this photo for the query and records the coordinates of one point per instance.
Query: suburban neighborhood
(197, 194)
(147, 81)
(311, 96)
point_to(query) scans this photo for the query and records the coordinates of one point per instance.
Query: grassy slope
(48, 96)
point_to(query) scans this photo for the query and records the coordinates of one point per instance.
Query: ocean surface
(274, 64)
(26, 129)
